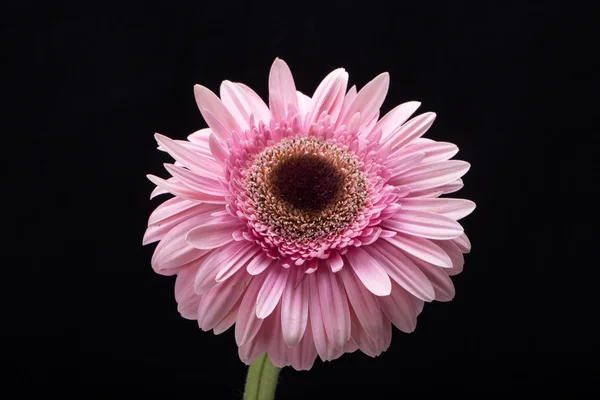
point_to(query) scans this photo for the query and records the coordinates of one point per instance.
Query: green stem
(261, 380)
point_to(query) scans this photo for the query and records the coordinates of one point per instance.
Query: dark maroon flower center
(307, 182)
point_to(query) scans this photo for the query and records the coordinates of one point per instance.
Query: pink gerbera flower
(309, 224)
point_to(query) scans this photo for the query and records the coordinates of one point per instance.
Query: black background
(87, 86)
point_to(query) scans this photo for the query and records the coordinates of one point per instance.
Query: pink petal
(196, 181)
(216, 304)
(441, 282)
(212, 168)
(364, 342)
(228, 321)
(271, 291)
(171, 207)
(399, 309)
(218, 152)
(371, 346)
(434, 151)
(371, 238)
(247, 324)
(393, 120)
(184, 191)
(316, 319)
(363, 303)
(334, 307)
(157, 191)
(171, 213)
(413, 129)
(187, 299)
(213, 232)
(335, 261)
(259, 263)
(368, 100)
(206, 277)
(463, 243)
(422, 248)
(294, 309)
(259, 109)
(452, 187)
(429, 193)
(187, 157)
(309, 266)
(351, 346)
(156, 233)
(304, 103)
(185, 282)
(353, 123)
(188, 306)
(424, 224)
(453, 251)
(173, 252)
(303, 355)
(369, 271)
(242, 102)
(386, 337)
(385, 233)
(208, 102)
(200, 137)
(251, 350)
(220, 131)
(418, 304)
(281, 89)
(372, 135)
(402, 270)
(451, 208)
(348, 100)
(198, 147)
(324, 347)
(278, 352)
(400, 165)
(428, 176)
(237, 261)
(329, 96)
(367, 124)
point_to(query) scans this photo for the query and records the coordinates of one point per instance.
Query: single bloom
(311, 224)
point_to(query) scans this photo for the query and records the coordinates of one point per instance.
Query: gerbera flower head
(310, 224)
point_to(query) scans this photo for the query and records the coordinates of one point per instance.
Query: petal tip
(385, 76)
(201, 93)
(159, 137)
(198, 90)
(384, 291)
(153, 178)
(278, 62)
(261, 313)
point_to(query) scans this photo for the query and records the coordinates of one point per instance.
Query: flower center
(302, 195)
(307, 182)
